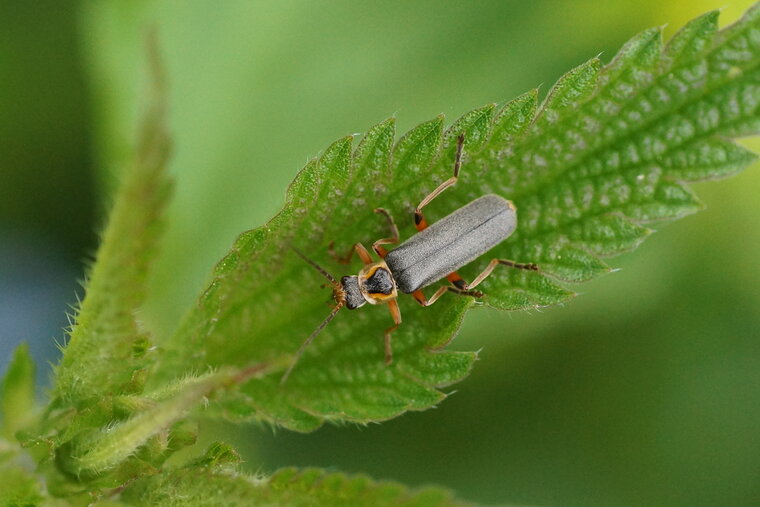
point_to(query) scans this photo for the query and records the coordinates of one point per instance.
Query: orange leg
(376, 246)
(396, 314)
(419, 218)
(420, 296)
(491, 265)
(457, 280)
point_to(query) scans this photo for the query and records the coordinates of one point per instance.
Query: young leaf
(99, 426)
(93, 453)
(607, 152)
(208, 485)
(105, 344)
(17, 405)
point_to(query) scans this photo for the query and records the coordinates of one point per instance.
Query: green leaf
(641, 52)
(475, 126)
(607, 151)
(513, 119)
(101, 426)
(693, 38)
(17, 405)
(415, 151)
(714, 158)
(571, 88)
(211, 485)
(607, 234)
(92, 453)
(106, 346)
(19, 488)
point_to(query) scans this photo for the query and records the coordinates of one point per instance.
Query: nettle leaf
(106, 346)
(109, 449)
(19, 487)
(607, 152)
(215, 484)
(102, 428)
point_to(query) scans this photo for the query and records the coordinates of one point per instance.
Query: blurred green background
(645, 390)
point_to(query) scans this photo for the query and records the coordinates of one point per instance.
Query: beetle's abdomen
(452, 242)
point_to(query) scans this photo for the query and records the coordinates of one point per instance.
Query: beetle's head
(374, 284)
(349, 292)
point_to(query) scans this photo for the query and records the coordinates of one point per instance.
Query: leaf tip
(390, 121)
(17, 397)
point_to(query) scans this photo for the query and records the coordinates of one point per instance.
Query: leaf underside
(607, 152)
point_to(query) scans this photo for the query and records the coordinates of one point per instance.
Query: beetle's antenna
(311, 337)
(317, 267)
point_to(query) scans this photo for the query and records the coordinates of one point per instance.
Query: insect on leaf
(607, 152)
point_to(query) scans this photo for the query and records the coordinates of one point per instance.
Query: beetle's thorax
(377, 284)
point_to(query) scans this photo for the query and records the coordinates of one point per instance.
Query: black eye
(381, 282)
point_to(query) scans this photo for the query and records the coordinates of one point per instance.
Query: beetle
(435, 252)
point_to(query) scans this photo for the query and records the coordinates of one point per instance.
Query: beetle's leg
(379, 250)
(363, 254)
(358, 248)
(457, 280)
(419, 219)
(420, 296)
(491, 265)
(345, 259)
(396, 314)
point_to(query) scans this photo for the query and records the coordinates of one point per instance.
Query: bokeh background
(645, 390)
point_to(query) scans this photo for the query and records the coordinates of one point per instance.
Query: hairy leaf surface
(106, 347)
(213, 484)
